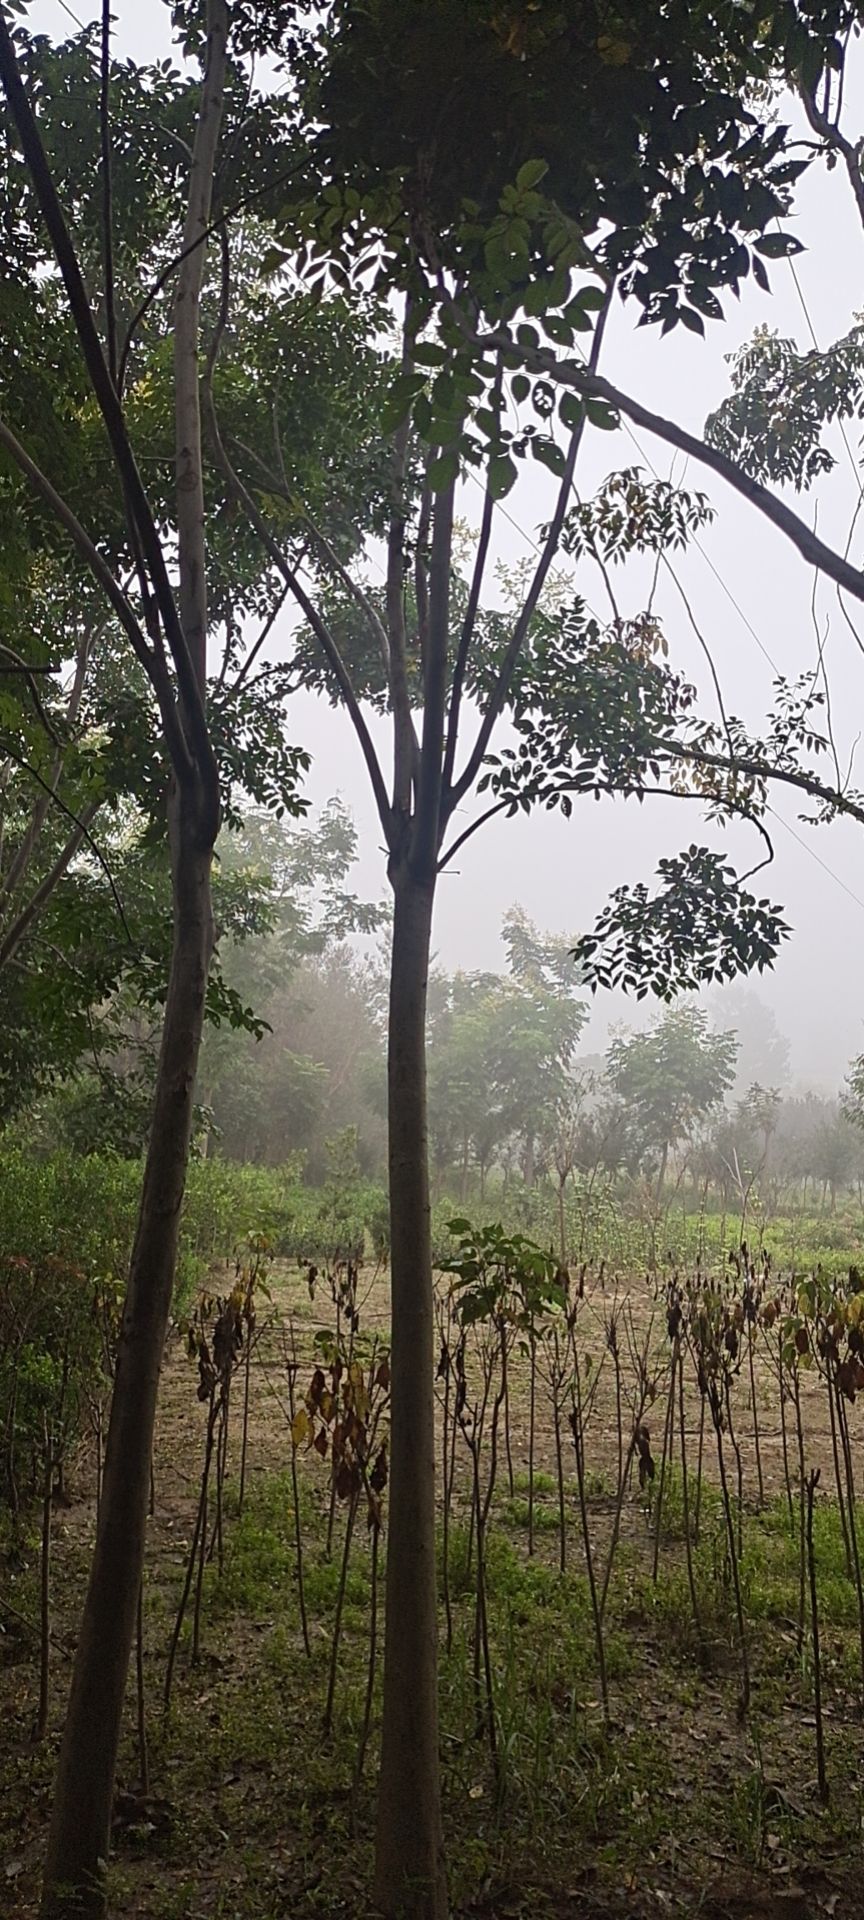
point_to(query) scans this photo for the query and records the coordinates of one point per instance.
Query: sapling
(716, 1335)
(558, 1369)
(577, 1426)
(344, 1418)
(472, 1422)
(643, 1397)
(216, 1359)
(298, 1434)
(451, 1376)
(673, 1328)
(822, 1776)
(374, 1483)
(252, 1274)
(615, 1351)
(685, 1502)
(751, 1301)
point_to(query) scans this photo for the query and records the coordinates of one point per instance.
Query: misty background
(756, 609)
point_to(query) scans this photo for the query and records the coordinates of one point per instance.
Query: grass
(243, 1750)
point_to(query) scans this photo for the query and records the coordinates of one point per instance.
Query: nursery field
(651, 1608)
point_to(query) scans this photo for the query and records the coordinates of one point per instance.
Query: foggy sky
(561, 872)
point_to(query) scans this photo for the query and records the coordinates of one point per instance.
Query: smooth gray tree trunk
(410, 1869)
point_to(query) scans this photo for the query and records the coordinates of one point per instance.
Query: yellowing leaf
(300, 1427)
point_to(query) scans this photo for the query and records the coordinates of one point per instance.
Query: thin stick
(597, 1604)
(291, 1370)
(532, 1406)
(445, 1481)
(45, 1589)
(698, 1507)
(245, 1439)
(143, 1756)
(685, 1501)
(783, 1430)
(802, 1515)
(755, 1412)
(337, 1624)
(370, 1671)
(717, 1418)
(668, 1431)
(822, 1776)
(841, 1500)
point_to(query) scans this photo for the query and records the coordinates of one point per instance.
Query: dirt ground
(683, 1728)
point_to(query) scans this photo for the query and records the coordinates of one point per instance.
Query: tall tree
(162, 590)
(438, 127)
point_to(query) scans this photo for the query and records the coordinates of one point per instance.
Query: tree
(763, 1051)
(671, 1076)
(312, 1067)
(835, 1153)
(499, 1050)
(155, 578)
(441, 204)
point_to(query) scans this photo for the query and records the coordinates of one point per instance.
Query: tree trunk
(528, 1160)
(81, 1819)
(410, 1879)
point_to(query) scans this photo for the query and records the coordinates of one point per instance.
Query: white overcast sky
(561, 872)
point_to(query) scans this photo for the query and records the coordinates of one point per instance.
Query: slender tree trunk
(45, 1590)
(410, 1879)
(80, 1829)
(81, 1819)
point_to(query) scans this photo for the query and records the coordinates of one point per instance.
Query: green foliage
(702, 925)
(464, 118)
(671, 1075)
(500, 1277)
(782, 399)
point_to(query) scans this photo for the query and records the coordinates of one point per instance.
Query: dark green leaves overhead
(782, 399)
(651, 130)
(701, 925)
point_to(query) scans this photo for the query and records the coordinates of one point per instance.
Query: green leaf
(600, 415)
(444, 470)
(531, 174)
(571, 411)
(501, 475)
(591, 298)
(778, 246)
(550, 455)
(398, 401)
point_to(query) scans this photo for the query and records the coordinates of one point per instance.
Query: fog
(751, 595)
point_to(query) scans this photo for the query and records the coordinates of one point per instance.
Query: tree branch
(829, 131)
(756, 769)
(107, 196)
(592, 386)
(467, 633)
(110, 586)
(405, 748)
(454, 846)
(112, 414)
(501, 689)
(192, 558)
(319, 626)
(427, 820)
(80, 824)
(216, 225)
(11, 940)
